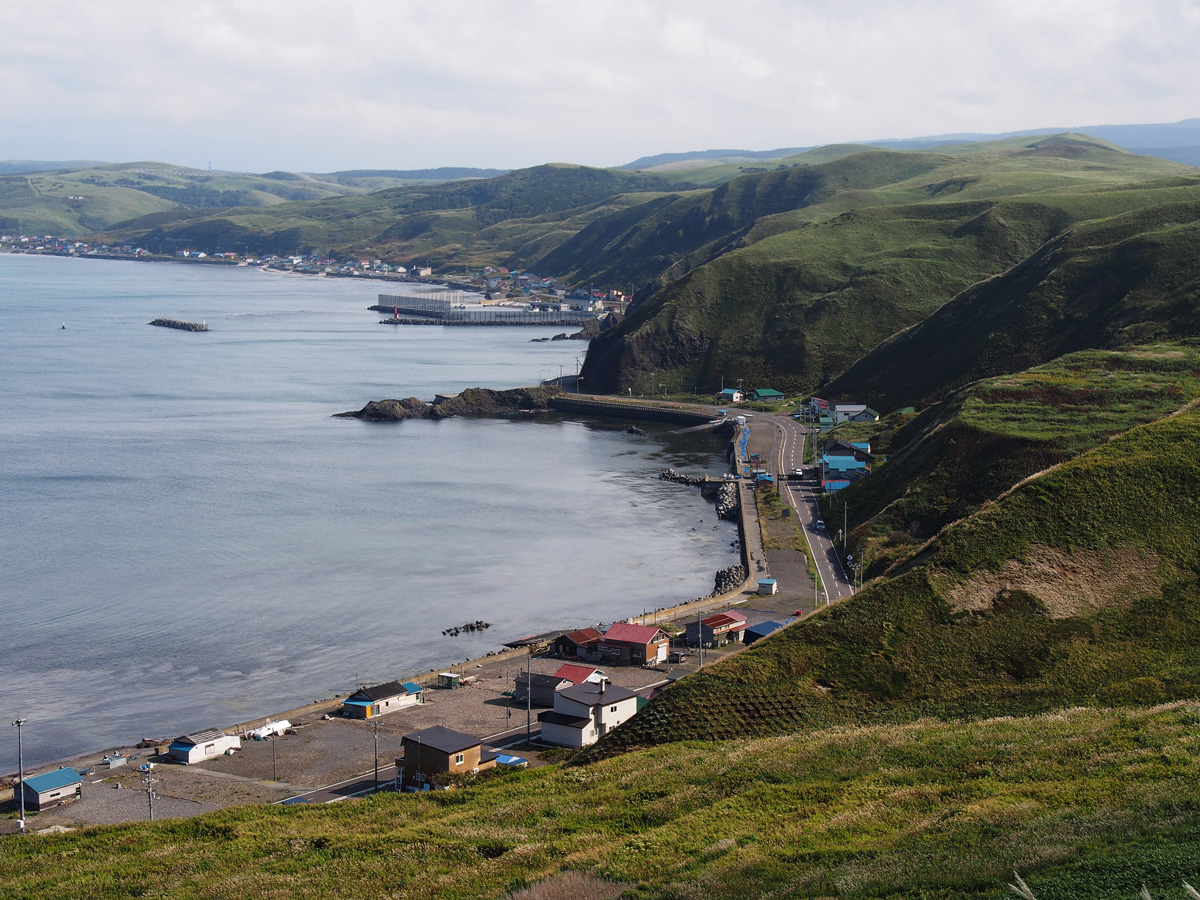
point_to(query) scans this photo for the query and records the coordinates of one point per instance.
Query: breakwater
(181, 325)
(674, 415)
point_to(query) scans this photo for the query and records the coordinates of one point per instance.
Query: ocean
(189, 540)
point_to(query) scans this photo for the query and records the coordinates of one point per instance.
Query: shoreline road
(801, 496)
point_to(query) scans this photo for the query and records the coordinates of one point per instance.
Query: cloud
(411, 83)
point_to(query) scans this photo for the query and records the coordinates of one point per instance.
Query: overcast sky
(404, 84)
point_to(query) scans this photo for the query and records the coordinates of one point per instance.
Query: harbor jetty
(181, 325)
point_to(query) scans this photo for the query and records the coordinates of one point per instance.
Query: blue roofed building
(52, 789)
(760, 631)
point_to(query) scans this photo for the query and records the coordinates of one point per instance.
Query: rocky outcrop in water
(471, 402)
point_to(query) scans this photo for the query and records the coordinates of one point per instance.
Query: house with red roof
(717, 629)
(579, 674)
(576, 644)
(625, 644)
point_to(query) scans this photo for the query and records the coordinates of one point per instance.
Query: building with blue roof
(52, 789)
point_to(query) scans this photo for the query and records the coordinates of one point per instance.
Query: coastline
(317, 708)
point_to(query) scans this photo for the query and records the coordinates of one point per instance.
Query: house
(716, 630)
(768, 586)
(731, 395)
(760, 631)
(369, 702)
(843, 455)
(766, 395)
(576, 644)
(585, 712)
(203, 745)
(633, 645)
(52, 789)
(579, 674)
(538, 690)
(438, 751)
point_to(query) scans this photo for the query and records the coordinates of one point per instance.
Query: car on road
(819, 525)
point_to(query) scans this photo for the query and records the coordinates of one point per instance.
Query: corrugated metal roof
(52, 780)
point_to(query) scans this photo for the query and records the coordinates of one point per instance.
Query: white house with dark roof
(208, 744)
(381, 699)
(585, 712)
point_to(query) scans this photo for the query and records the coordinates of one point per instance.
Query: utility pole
(19, 724)
(845, 524)
(377, 756)
(274, 761)
(150, 783)
(529, 697)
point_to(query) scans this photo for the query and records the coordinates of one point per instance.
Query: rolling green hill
(444, 224)
(1108, 282)
(796, 297)
(79, 199)
(944, 463)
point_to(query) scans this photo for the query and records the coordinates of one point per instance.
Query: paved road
(802, 497)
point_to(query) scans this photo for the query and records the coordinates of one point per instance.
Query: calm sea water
(187, 539)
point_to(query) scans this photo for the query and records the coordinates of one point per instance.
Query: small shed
(767, 586)
(203, 745)
(449, 680)
(52, 789)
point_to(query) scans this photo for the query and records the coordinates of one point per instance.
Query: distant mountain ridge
(1176, 141)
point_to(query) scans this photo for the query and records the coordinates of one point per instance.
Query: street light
(18, 724)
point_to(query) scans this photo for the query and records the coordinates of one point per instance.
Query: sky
(262, 85)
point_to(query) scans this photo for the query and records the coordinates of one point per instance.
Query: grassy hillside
(1083, 804)
(439, 223)
(76, 200)
(1080, 586)
(946, 462)
(799, 295)
(1118, 279)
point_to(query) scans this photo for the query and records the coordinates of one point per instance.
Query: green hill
(445, 224)
(1078, 587)
(797, 297)
(80, 199)
(943, 464)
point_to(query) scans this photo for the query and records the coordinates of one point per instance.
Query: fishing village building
(585, 712)
(371, 702)
(194, 748)
(432, 754)
(52, 789)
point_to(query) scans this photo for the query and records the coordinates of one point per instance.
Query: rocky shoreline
(471, 402)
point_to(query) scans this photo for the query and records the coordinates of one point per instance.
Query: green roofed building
(766, 395)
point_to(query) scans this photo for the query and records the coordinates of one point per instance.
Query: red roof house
(633, 645)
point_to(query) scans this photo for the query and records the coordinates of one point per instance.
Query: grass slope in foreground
(1084, 804)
